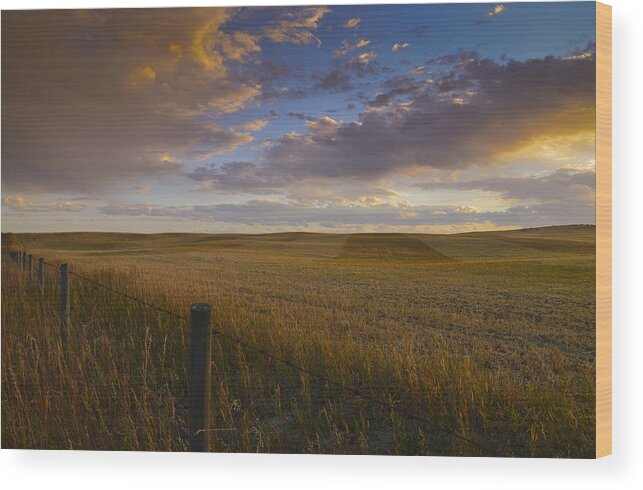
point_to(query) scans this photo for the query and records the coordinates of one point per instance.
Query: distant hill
(489, 245)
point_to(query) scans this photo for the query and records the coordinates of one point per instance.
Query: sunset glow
(335, 119)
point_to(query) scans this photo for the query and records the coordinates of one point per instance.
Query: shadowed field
(490, 336)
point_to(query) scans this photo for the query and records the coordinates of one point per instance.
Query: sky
(436, 118)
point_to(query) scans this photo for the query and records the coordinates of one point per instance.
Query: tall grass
(509, 364)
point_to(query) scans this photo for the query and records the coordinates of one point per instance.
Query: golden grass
(490, 335)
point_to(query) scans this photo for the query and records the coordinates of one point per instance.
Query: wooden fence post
(22, 260)
(41, 274)
(30, 268)
(200, 377)
(64, 303)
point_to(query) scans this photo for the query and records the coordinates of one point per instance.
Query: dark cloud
(237, 177)
(453, 59)
(564, 185)
(588, 49)
(272, 94)
(272, 70)
(95, 101)
(300, 116)
(489, 109)
(280, 214)
(335, 80)
(265, 72)
(82, 110)
(565, 196)
(362, 64)
(396, 87)
(278, 81)
(343, 71)
(92, 99)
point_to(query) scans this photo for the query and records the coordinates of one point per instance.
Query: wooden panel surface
(603, 229)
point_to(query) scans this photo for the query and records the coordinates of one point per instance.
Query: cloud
(362, 64)
(352, 23)
(359, 195)
(263, 73)
(254, 125)
(478, 114)
(565, 185)
(143, 75)
(496, 10)
(21, 205)
(322, 127)
(564, 196)
(397, 46)
(209, 140)
(582, 52)
(364, 58)
(335, 80)
(97, 96)
(398, 86)
(348, 47)
(300, 116)
(234, 177)
(11, 202)
(363, 212)
(295, 27)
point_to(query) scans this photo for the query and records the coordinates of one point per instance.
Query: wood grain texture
(603, 230)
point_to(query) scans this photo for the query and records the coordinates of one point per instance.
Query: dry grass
(491, 335)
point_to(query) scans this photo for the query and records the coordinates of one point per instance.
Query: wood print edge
(603, 230)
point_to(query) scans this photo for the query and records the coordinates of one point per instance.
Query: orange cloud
(352, 23)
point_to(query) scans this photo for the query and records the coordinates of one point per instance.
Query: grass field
(490, 336)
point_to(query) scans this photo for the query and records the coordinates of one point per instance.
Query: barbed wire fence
(66, 295)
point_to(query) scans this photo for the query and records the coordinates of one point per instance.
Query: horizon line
(291, 232)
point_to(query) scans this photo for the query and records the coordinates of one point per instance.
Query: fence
(200, 348)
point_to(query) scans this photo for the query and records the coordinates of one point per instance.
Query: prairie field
(487, 338)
